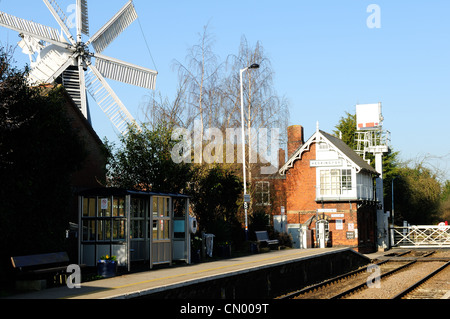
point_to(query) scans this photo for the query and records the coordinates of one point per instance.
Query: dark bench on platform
(35, 271)
(263, 237)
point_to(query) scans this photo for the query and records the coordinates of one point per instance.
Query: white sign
(339, 224)
(351, 227)
(325, 163)
(327, 210)
(368, 116)
(104, 204)
(337, 215)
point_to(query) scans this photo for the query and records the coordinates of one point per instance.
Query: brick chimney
(295, 138)
(281, 158)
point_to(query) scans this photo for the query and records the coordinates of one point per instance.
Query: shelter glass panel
(119, 207)
(179, 207)
(91, 230)
(137, 229)
(119, 229)
(104, 207)
(100, 230)
(89, 207)
(155, 229)
(108, 224)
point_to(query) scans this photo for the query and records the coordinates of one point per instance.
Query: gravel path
(393, 285)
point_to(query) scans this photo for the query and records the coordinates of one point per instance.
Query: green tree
(417, 195)
(143, 161)
(215, 194)
(445, 202)
(346, 129)
(39, 152)
(445, 195)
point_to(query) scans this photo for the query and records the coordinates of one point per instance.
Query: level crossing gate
(420, 236)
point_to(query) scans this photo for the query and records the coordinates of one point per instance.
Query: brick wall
(301, 184)
(301, 207)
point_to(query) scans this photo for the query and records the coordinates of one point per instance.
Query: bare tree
(201, 74)
(263, 107)
(161, 110)
(209, 95)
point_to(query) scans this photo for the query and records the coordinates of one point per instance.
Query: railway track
(435, 285)
(395, 272)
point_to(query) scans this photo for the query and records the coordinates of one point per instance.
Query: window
(262, 193)
(138, 213)
(346, 179)
(119, 229)
(161, 218)
(103, 219)
(89, 207)
(119, 207)
(323, 146)
(335, 182)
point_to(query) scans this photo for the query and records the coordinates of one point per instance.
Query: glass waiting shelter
(134, 226)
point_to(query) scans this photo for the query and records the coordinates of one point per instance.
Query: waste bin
(208, 240)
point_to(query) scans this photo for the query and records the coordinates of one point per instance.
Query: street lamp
(393, 221)
(246, 199)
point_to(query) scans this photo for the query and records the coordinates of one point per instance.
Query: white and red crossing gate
(421, 236)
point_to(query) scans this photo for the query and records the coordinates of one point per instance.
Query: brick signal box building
(329, 193)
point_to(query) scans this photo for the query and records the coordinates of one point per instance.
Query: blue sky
(325, 57)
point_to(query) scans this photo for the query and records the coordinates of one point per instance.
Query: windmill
(59, 57)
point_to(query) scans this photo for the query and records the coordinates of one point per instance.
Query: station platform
(270, 266)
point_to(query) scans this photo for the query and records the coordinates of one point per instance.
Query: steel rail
(364, 285)
(324, 283)
(420, 282)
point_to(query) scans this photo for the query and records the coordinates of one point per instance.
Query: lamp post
(246, 201)
(393, 215)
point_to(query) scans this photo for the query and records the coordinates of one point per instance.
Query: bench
(34, 271)
(263, 237)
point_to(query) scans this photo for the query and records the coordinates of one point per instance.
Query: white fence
(421, 236)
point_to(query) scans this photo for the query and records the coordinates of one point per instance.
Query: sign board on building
(350, 235)
(247, 199)
(327, 210)
(325, 163)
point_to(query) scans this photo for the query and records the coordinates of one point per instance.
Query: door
(322, 233)
(294, 231)
(161, 247)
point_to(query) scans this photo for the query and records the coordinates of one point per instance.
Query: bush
(285, 239)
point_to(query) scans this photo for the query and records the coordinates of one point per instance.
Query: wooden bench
(263, 237)
(34, 271)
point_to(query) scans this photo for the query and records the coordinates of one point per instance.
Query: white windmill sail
(68, 61)
(49, 67)
(60, 17)
(84, 16)
(31, 28)
(30, 46)
(125, 72)
(114, 27)
(108, 101)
